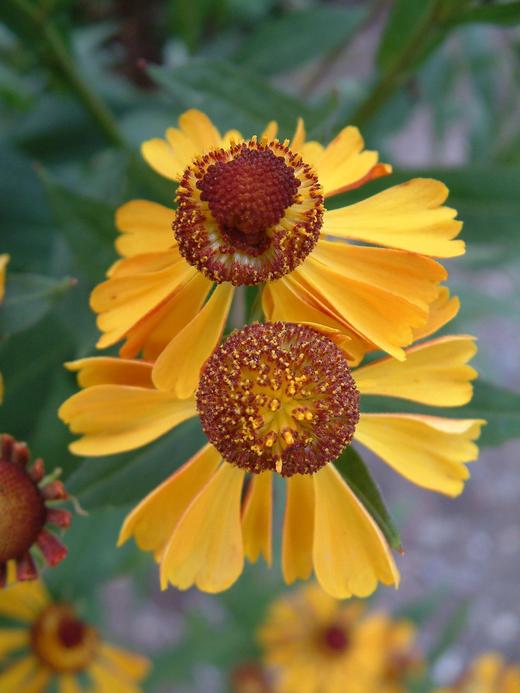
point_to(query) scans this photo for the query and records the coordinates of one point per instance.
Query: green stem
(256, 309)
(63, 61)
(393, 78)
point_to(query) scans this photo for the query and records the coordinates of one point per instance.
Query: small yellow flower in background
(488, 673)
(253, 212)
(279, 398)
(4, 259)
(49, 644)
(315, 644)
(27, 507)
(250, 677)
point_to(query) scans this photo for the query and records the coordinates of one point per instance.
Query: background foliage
(434, 87)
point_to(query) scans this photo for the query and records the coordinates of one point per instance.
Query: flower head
(315, 643)
(254, 212)
(27, 506)
(48, 643)
(279, 399)
(488, 673)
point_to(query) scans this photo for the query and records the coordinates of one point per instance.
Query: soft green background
(434, 86)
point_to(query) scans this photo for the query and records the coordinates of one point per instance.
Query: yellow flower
(27, 507)
(4, 259)
(252, 212)
(488, 673)
(278, 398)
(316, 644)
(49, 644)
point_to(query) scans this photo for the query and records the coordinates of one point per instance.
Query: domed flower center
(63, 642)
(278, 396)
(249, 194)
(335, 638)
(248, 214)
(22, 511)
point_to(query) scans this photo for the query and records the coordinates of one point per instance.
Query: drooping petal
(350, 553)
(429, 451)
(132, 665)
(123, 301)
(206, 548)
(298, 528)
(116, 418)
(288, 300)
(12, 639)
(146, 227)
(153, 521)
(442, 310)
(153, 332)
(345, 164)
(193, 345)
(23, 601)
(257, 518)
(413, 277)
(195, 136)
(18, 675)
(36, 683)
(68, 684)
(108, 680)
(383, 318)
(109, 370)
(434, 373)
(409, 216)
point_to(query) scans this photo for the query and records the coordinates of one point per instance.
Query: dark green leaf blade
(355, 472)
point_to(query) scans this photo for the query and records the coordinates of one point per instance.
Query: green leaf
(234, 98)
(28, 298)
(356, 474)
(121, 479)
(87, 224)
(407, 19)
(505, 14)
(450, 633)
(296, 38)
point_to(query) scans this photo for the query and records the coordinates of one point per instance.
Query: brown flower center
(22, 511)
(63, 642)
(278, 396)
(335, 639)
(248, 214)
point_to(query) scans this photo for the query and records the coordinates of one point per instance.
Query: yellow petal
(442, 310)
(4, 259)
(153, 521)
(193, 346)
(24, 601)
(350, 553)
(155, 331)
(159, 155)
(288, 300)
(116, 418)
(12, 639)
(107, 680)
(206, 548)
(133, 666)
(257, 518)
(413, 277)
(344, 164)
(409, 216)
(427, 450)
(145, 263)
(299, 136)
(16, 676)
(68, 684)
(298, 528)
(270, 131)
(201, 131)
(146, 227)
(434, 373)
(381, 317)
(231, 137)
(109, 370)
(123, 301)
(38, 682)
